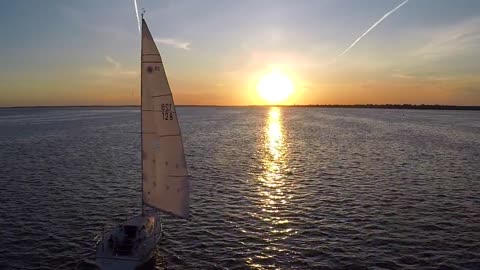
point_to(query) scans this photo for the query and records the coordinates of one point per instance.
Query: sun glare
(275, 87)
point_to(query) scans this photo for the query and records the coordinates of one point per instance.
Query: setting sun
(275, 87)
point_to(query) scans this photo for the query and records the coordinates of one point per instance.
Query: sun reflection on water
(273, 189)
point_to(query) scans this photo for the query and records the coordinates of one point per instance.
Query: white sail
(165, 177)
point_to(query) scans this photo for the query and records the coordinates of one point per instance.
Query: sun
(275, 87)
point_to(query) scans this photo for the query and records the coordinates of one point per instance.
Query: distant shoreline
(358, 106)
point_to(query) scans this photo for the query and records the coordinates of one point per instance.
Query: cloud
(185, 45)
(424, 77)
(452, 40)
(373, 26)
(108, 72)
(112, 61)
(403, 76)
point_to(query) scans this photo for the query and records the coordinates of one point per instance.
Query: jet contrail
(373, 26)
(136, 12)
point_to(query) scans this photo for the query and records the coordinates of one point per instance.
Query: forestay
(165, 177)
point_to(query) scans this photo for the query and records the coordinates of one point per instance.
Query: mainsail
(165, 177)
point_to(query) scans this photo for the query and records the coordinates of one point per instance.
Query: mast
(141, 115)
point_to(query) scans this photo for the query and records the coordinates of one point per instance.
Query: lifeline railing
(100, 237)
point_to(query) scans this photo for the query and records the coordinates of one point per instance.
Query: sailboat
(165, 181)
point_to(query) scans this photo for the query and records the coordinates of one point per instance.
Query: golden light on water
(273, 186)
(274, 136)
(275, 165)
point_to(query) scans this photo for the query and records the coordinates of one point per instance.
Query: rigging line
(141, 118)
(164, 95)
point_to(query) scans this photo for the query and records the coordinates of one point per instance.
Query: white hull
(130, 244)
(118, 263)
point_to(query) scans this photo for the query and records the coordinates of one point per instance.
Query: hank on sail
(165, 182)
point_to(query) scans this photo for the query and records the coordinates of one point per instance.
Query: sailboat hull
(130, 244)
(119, 264)
(165, 181)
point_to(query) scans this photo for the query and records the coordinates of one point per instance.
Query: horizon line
(359, 105)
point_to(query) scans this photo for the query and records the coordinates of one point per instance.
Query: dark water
(287, 188)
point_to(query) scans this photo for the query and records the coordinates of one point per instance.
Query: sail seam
(166, 211)
(170, 135)
(158, 111)
(161, 136)
(164, 95)
(151, 62)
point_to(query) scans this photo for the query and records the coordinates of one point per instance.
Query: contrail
(136, 12)
(373, 26)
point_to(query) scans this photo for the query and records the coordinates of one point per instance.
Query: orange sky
(87, 53)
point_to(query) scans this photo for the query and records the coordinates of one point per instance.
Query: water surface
(272, 188)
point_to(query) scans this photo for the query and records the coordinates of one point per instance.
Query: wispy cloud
(109, 73)
(373, 26)
(185, 45)
(403, 76)
(112, 61)
(450, 41)
(423, 77)
(115, 71)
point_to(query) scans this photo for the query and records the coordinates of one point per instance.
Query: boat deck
(134, 240)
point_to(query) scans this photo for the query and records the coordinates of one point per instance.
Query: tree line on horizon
(373, 106)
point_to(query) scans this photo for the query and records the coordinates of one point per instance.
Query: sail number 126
(167, 113)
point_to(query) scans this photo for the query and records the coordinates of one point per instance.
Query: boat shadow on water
(153, 264)
(149, 265)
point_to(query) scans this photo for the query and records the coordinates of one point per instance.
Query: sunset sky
(216, 51)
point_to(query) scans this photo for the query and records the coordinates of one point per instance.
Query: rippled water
(273, 188)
